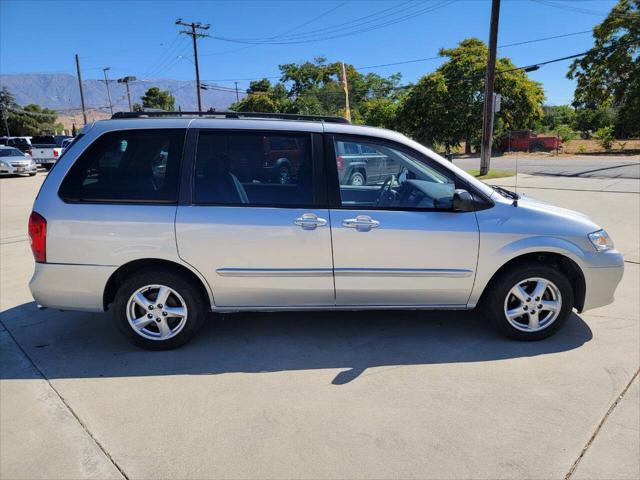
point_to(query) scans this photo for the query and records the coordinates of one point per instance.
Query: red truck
(528, 141)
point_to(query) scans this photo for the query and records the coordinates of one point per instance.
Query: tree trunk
(467, 145)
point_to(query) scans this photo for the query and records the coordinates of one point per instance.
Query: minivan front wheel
(159, 310)
(530, 302)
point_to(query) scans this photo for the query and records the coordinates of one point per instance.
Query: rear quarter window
(139, 166)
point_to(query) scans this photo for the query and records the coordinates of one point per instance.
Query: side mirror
(462, 201)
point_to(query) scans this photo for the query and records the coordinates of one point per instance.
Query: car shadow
(86, 345)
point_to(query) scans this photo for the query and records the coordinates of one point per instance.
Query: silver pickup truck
(45, 150)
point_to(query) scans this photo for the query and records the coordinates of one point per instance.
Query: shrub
(566, 133)
(604, 137)
(582, 149)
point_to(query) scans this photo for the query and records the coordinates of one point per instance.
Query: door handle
(310, 221)
(362, 223)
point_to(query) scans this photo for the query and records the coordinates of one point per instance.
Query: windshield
(483, 187)
(10, 152)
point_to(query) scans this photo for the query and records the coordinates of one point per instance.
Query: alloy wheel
(156, 312)
(533, 304)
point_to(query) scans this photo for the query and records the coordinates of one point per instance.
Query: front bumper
(18, 170)
(601, 281)
(70, 287)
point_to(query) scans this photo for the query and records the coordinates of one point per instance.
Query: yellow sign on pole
(345, 85)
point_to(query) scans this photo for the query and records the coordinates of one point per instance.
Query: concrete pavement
(321, 395)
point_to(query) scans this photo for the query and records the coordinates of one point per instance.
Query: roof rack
(229, 114)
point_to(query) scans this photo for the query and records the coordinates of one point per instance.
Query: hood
(530, 202)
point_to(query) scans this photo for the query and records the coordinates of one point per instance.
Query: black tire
(496, 296)
(32, 174)
(190, 293)
(357, 178)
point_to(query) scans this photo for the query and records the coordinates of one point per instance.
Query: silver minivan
(146, 214)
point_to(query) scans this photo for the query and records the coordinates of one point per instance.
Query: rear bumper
(70, 287)
(601, 284)
(45, 161)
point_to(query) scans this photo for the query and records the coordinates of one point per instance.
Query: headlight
(601, 240)
(4, 164)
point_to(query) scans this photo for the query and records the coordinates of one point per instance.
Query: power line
(317, 17)
(416, 60)
(347, 24)
(570, 8)
(303, 39)
(161, 58)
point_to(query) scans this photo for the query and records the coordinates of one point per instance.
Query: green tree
(29, 120)
(315, 88)
(554, 116)
(588, 120)
(6, 102)
(161, 99)
(609, 75)
(445, 107)
(262, 96)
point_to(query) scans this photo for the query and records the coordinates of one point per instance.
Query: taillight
(30, 152)
(55, 152)
(38, 237)
(340, 162)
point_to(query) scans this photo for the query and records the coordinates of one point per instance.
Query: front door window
(376, 175)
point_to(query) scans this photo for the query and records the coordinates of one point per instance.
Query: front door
(397, 240)
(258, 241)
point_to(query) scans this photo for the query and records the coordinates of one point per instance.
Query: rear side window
(268, 169)
(127, 166)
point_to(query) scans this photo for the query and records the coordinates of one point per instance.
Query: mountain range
(60, 92)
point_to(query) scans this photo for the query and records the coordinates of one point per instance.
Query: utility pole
(126, 81)
(195, 35)
(84, 110)
(106, 82)
(237, 95)
(487, 122)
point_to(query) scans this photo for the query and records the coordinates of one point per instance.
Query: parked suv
(266, 158)
(21, 143)
(155, 219)
(361, 164)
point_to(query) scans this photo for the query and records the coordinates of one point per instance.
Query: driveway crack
(600, 425)
(65, 403)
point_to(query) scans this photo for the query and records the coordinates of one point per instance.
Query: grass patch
(492, 174)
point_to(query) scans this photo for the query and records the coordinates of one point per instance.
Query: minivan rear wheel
(159, 310)
(530, 302)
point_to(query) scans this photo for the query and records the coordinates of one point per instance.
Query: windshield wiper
(506, 193)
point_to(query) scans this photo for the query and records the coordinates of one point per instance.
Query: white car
(14, 162)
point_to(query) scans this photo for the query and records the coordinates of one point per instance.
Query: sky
(141, 38)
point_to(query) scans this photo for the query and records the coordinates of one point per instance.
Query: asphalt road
(565, 166)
